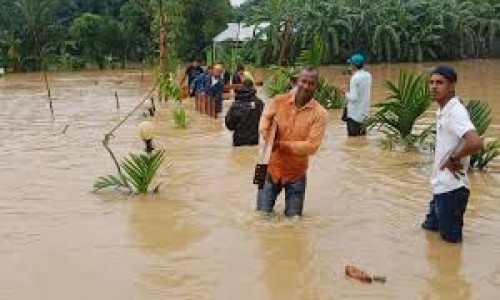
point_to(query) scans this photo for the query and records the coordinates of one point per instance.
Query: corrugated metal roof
(235, 32)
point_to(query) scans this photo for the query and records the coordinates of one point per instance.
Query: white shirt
(452, 123)
(358, 97)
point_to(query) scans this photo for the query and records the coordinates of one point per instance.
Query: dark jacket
(243, 117)
(215, 91)
(201, 83)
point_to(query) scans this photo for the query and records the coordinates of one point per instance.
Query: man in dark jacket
(244, 115)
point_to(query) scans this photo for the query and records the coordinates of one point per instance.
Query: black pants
(446, 214)
(355, 128)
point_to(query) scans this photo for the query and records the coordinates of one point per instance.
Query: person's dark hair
(447, 72)
(248, 83)
(359, 66)
(240, 68)
(198, 60)
(294, 79)
(310, 69)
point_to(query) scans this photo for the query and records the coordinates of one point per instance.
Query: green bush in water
(480, 115)
(408, 100)
(328, 95)
(180, 116)
(168, 88)
(279, 80)
(138, 172)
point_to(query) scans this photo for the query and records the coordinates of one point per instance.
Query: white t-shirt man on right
(453, 122)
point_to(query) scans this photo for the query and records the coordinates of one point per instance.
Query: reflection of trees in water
(288, 260)
(161, 226)
(445, 261)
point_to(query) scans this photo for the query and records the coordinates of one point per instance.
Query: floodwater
(199, 238)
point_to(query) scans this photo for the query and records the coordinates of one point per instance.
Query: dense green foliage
(67, 34)
(383, 30)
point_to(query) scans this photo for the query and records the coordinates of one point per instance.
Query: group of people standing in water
(300, 127)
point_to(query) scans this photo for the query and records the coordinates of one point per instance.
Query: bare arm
(266, 119)
(470, 144)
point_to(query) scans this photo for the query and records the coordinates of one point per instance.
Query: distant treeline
(68, 34)
(383, 30)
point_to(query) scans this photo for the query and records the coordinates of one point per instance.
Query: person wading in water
(301, 123)
(456, 140)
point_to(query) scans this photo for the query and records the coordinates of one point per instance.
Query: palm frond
(480, 115)
(409, 98)
(139, 171)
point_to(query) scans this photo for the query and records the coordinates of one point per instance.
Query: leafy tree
(97, 37)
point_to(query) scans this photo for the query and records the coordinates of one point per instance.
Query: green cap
(357, 60)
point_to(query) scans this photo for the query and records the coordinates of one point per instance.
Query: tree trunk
(163, 50)
(285, 40)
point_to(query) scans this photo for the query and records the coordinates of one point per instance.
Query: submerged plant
(180, 116)
(480, 115)
(138, 173)
(328, 95)
(409, 99)
(167, 86)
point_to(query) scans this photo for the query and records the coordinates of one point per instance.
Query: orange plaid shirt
(300, 132)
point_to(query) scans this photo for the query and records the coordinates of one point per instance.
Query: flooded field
(199, 238)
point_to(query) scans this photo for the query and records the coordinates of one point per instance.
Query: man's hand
(454, 166)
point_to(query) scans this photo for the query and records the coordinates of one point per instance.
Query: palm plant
(139, 171)
(409, 99)
(480, 115)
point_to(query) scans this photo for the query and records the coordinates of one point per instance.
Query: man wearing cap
(301, 124)
(358, 96)
(191, 72)
(456, 140)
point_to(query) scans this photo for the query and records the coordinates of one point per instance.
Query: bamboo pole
(117, 100)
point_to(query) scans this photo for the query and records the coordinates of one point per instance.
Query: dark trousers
(446, 214)
(294, 196)
(355, 128)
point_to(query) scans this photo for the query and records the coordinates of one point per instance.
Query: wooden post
(117, 100)
(163, 47)
(214, 108)
(207, 105)
(196, 101)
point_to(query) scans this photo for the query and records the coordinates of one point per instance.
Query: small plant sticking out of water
(168, 89)
(409, 99)
(480, 115)
(180, 116)
(328, 95)
(139, 171)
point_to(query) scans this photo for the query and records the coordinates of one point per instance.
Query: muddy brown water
(199, 238)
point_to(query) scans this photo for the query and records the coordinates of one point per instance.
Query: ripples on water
(199, 238)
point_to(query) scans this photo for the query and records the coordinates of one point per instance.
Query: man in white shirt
(456, 140)
(358, 96)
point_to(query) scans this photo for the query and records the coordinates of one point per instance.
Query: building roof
(238, 32)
